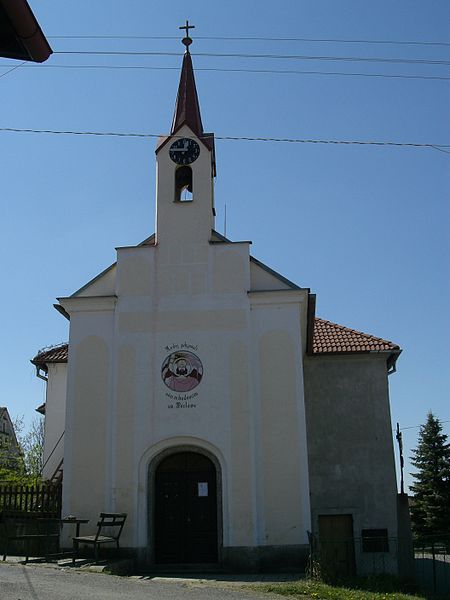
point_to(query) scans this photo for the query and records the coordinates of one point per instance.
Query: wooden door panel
(337, 549)
(202, 518)
(186, 517)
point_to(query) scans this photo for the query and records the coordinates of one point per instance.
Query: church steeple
(186, 169)
(187, 108)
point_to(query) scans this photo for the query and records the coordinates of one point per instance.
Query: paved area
(47, 582)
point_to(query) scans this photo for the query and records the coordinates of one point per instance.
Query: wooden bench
(28, 527)
(110, 523)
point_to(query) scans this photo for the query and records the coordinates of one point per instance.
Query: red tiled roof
(57, 354)
(330, 338)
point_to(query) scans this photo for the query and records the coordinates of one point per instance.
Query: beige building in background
(10, 452)
(199, 394)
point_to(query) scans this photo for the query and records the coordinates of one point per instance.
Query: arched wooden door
(186, 509)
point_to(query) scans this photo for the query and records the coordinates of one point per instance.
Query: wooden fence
(45, 498)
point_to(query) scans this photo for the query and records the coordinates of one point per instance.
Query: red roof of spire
(187, 108)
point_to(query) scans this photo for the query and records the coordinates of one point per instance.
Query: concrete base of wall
(265, 558)
(237, 559)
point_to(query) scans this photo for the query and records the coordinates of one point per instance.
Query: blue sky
(365, 227)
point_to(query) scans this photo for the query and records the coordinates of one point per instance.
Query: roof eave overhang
(27, 41)
(390, 355)
(43, 364)
(41, 409)
(39, 365)
(392, 360)
(62, 311)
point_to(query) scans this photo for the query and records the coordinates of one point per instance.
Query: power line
(441, 150)
(250, 38)
(344, 142)
(417, 426)
(223, 70)
(13, 69)
(413, 61)
(233, 138)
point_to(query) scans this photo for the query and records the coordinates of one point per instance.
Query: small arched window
(183, 184)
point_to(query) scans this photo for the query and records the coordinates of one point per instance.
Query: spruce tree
(430, 511)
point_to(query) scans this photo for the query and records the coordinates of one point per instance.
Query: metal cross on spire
(187, 40)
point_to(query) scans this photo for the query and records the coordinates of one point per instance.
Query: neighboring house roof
(328, 338)
(20, 34)
(5, 414)
(56, 354)
(4, 417)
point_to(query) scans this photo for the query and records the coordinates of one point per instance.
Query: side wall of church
(55, 416)
(350, 448)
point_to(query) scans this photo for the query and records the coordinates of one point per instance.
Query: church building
(200, 394)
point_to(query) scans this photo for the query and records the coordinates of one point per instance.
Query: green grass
(358, 590)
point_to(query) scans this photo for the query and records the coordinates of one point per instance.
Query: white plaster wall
(186, 293)
(248, 407)
(196, 221)
(55, 416)
(102, 285)
(262, 280)
(279, 411)
(88, 414)
(208, 311)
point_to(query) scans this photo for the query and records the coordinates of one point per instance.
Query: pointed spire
(187, 108)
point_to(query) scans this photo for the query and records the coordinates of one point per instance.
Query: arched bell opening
(184, 191)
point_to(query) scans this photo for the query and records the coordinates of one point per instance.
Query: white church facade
(200, 395)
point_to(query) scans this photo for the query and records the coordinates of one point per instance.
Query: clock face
(184, 151)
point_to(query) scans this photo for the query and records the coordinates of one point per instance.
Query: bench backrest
(108, 521)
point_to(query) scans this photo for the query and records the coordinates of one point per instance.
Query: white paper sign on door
(202, 488)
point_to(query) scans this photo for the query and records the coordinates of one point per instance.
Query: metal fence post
(433, 554)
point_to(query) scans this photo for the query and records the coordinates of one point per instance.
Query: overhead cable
(417, 426)
(413, 61)
(250, 38)
(13, 68)
(234, 138)
(261, 71)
